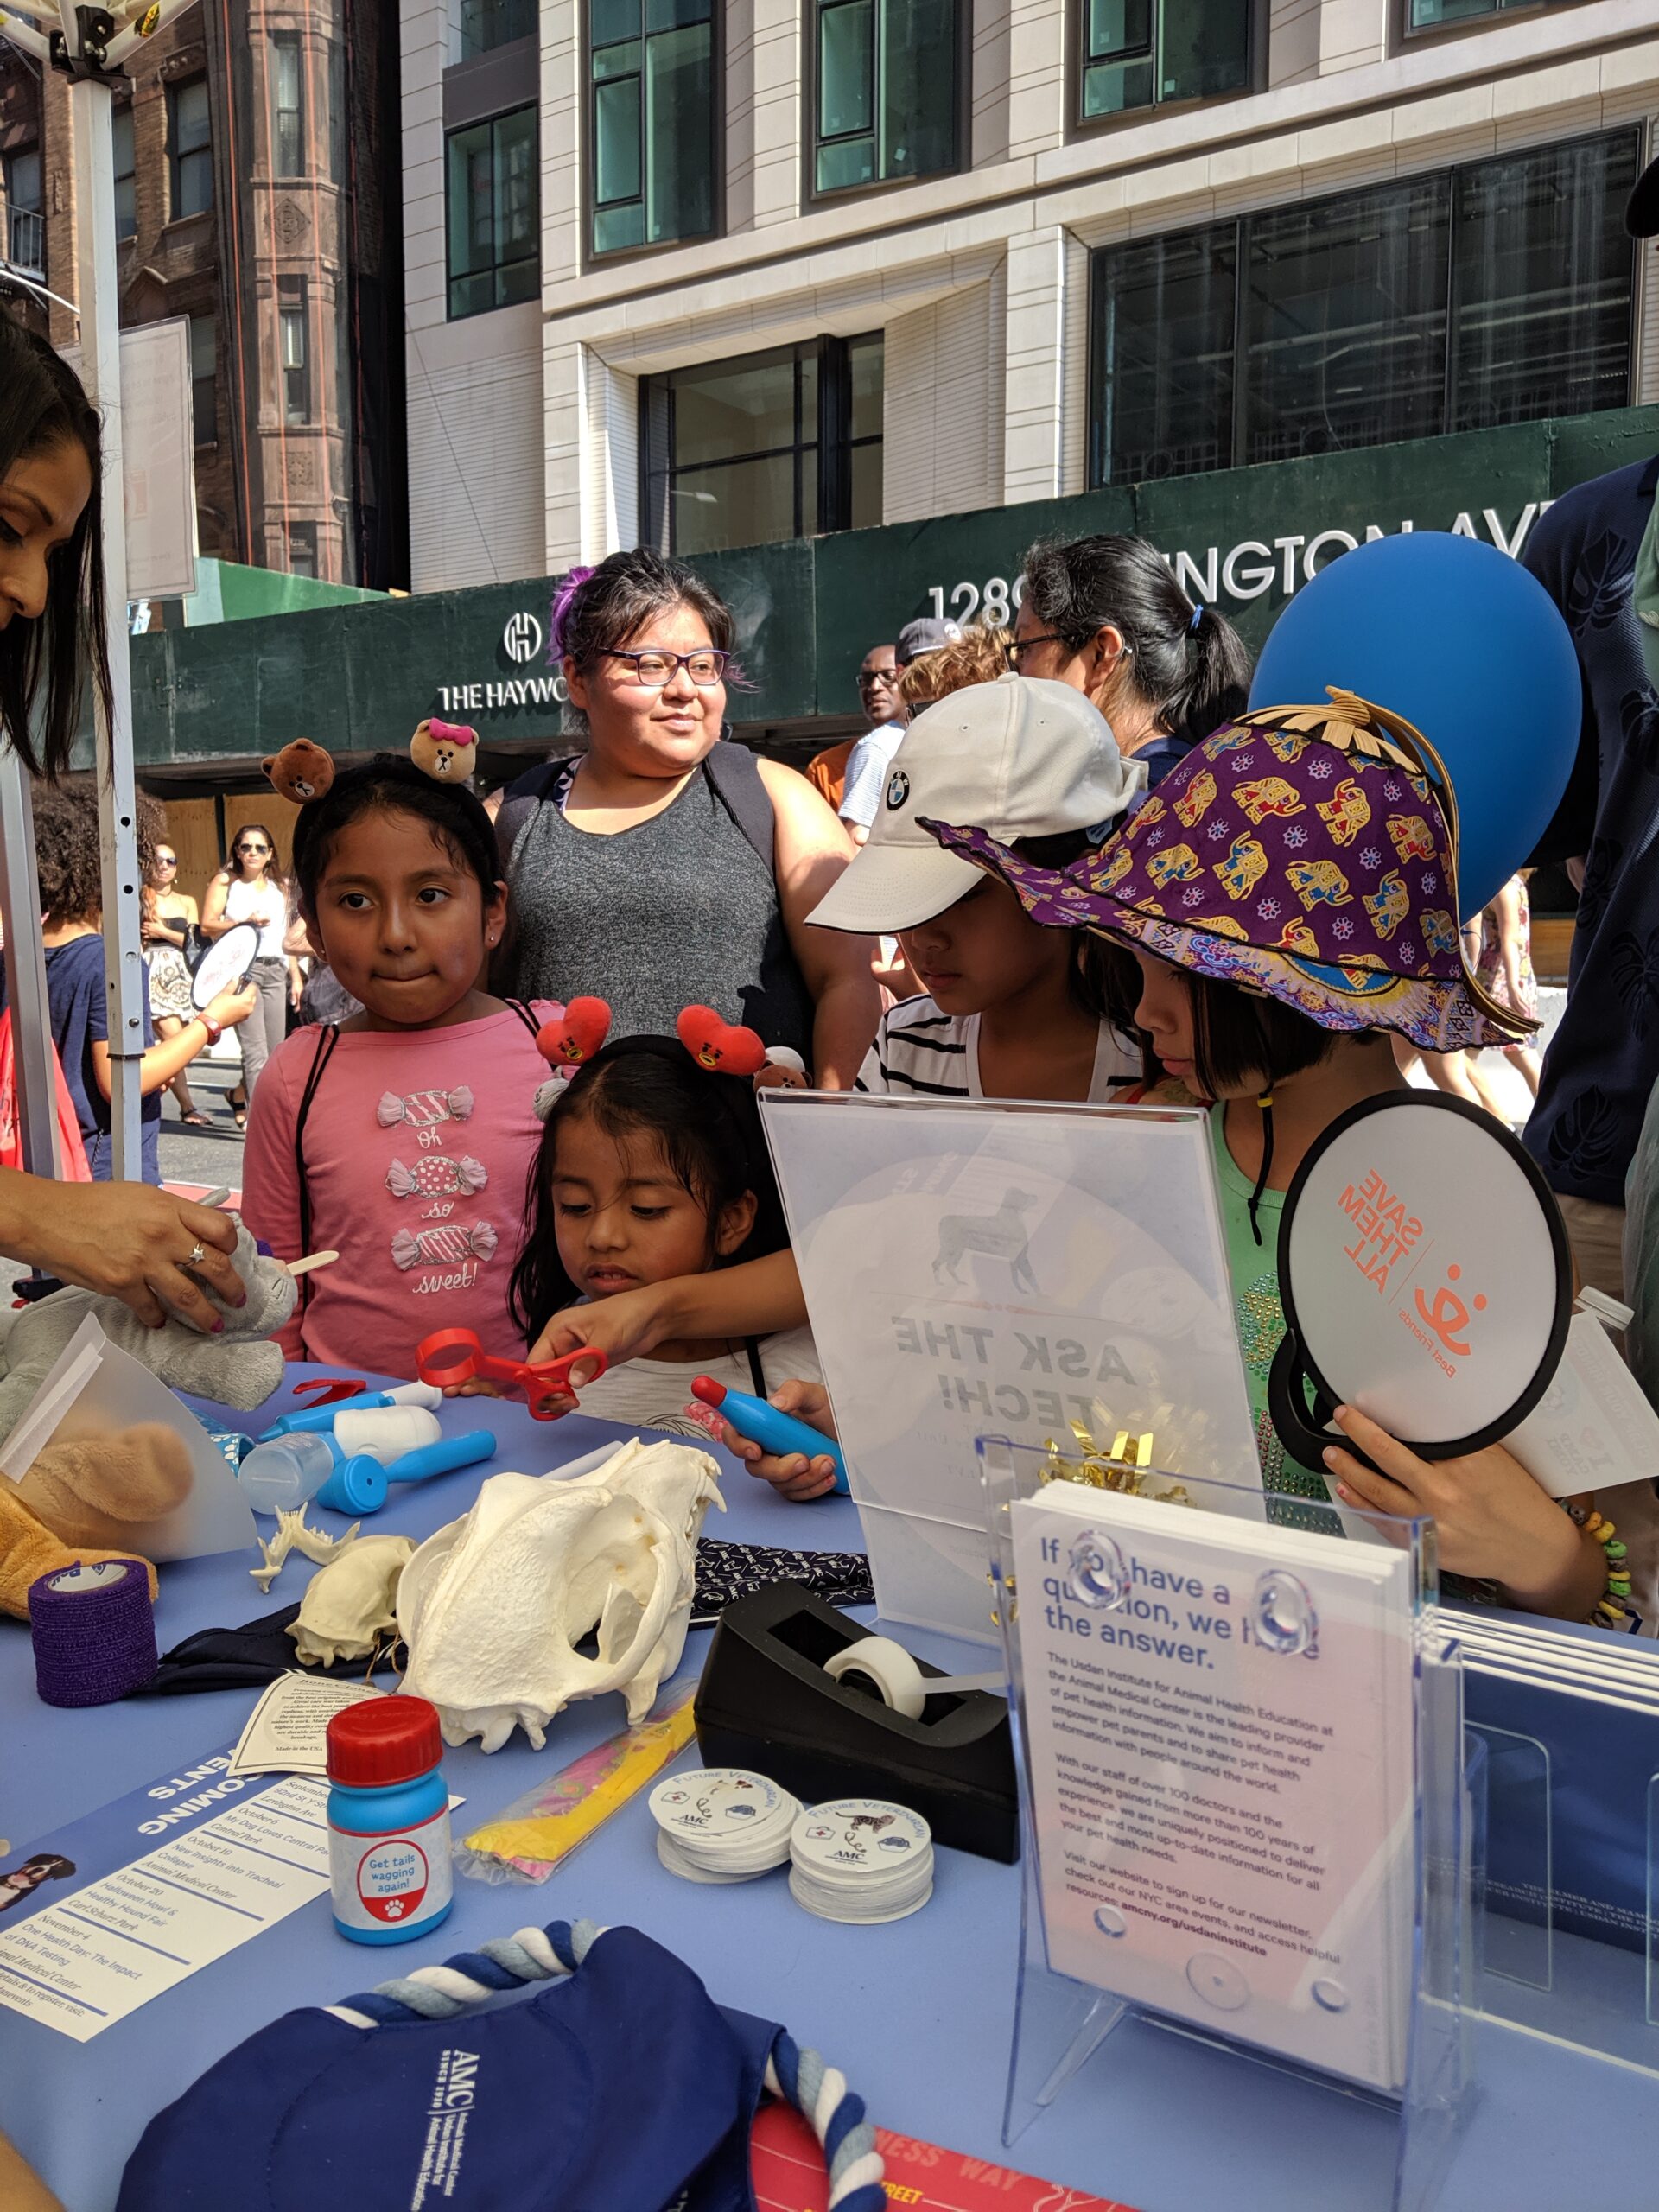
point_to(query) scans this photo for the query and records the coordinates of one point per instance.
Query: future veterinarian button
(1217, 1980)
(861, 1860)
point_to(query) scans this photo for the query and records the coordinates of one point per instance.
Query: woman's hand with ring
(130, 1240)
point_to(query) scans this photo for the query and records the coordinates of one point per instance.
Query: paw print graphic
(1295, 838)
(1269, 909)
(1319, 766)
(1370, 857)
(1341, 926)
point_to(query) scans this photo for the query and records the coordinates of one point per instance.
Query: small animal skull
(350, 1604)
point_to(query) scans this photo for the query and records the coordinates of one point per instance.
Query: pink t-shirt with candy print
(417, 1147)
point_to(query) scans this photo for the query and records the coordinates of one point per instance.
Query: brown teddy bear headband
(301, 771)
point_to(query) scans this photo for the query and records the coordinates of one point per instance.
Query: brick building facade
(250, 199)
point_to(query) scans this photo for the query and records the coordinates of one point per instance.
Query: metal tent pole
(31, 1019)
(100, 336)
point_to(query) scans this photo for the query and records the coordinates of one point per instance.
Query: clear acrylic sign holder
(1065, 2023)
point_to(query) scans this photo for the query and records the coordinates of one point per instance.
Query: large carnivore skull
(493, 1607)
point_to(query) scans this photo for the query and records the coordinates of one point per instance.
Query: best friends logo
(1385, 1234)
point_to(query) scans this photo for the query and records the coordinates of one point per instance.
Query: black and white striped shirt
(918, 1051)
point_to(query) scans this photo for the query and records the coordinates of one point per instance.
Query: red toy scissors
(456, 1356)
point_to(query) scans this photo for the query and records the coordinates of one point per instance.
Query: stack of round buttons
(859, 1860)
(721, 1824)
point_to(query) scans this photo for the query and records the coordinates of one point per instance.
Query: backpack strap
(532, 790)
(328, 1037)
(734, 774)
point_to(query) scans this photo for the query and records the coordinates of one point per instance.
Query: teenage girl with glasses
(250, 887)
(663, 867)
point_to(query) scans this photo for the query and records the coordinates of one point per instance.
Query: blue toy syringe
(278, 1476)
(764, 1425)
(323, 1417)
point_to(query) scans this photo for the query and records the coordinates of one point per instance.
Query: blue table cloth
(918, 2014)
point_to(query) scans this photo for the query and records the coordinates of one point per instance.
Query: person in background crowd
(168, 916)
(250, 887)
(72, 890)
(867, 765)
(663, 867)
(878, 675)
(1105, 615)
(1596, 552)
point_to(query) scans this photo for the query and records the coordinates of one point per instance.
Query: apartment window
(1436, 15)
(25, 240)
(204, 377)
(493, 202)
(1500, 292)
(126, 201)
(884, 88)
(1141, 53)
(302, 549)
(190, 148)
(652, 74)
(286, 104)
(775, 445)
(486, 24)
(296, 351)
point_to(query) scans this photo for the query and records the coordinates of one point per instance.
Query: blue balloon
(1462, 641)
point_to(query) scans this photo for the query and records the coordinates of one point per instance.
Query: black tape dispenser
(786, 1691)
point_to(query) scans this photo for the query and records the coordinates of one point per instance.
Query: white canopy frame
(89, 44)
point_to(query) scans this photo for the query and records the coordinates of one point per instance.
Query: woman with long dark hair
(251, 887)
(663, 866)
(127, 1240)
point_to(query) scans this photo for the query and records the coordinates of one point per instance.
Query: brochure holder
(1062, 2022)
(1571, 1908)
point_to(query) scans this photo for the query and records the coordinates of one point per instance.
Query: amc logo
(522, 639)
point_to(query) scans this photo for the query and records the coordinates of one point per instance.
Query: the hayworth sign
(360, 677)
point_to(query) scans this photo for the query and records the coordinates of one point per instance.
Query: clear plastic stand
(1062, 2023)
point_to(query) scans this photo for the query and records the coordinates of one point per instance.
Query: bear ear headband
(576, 1033)
(448, 752)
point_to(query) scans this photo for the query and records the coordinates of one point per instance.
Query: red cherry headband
(578, 1031)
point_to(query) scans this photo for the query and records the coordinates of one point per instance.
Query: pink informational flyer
(786, 2167)
(1219, 1721)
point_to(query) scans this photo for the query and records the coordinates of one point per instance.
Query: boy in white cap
(1002, 1013)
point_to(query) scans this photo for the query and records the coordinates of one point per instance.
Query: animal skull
(349, 1606)
(294, 1534)
(493, 1607)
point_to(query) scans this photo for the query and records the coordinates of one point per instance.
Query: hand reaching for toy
(791, 1474)
(626, 1326)
(1491, 1518)
(129, 1241)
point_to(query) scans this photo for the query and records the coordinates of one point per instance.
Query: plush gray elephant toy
(239, 1367)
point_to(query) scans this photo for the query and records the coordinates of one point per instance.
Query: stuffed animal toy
(448, 752)
(76, 1501)
(237, 1368)
(299, 772)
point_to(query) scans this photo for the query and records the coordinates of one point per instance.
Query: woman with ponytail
(1105, 615)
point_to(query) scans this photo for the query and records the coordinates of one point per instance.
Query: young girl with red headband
(655, 1227)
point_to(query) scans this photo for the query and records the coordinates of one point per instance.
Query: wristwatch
(215, 1030)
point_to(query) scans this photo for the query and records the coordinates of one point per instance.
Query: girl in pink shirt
(402, 1139)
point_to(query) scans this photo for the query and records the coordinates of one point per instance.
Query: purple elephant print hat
(1308, 853)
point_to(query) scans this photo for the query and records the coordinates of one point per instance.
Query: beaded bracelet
(1612, 1608)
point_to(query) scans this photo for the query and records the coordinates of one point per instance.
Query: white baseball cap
(1018, 758)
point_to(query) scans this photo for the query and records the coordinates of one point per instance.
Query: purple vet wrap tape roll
(93, 1632)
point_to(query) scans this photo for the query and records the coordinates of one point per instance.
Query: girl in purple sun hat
(1286, 898)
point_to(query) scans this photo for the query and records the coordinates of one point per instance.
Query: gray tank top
(679, 911)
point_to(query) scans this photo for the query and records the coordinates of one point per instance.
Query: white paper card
(1223, 1829)
(1593, 1428)
(976, 1268)
(288, 1730)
